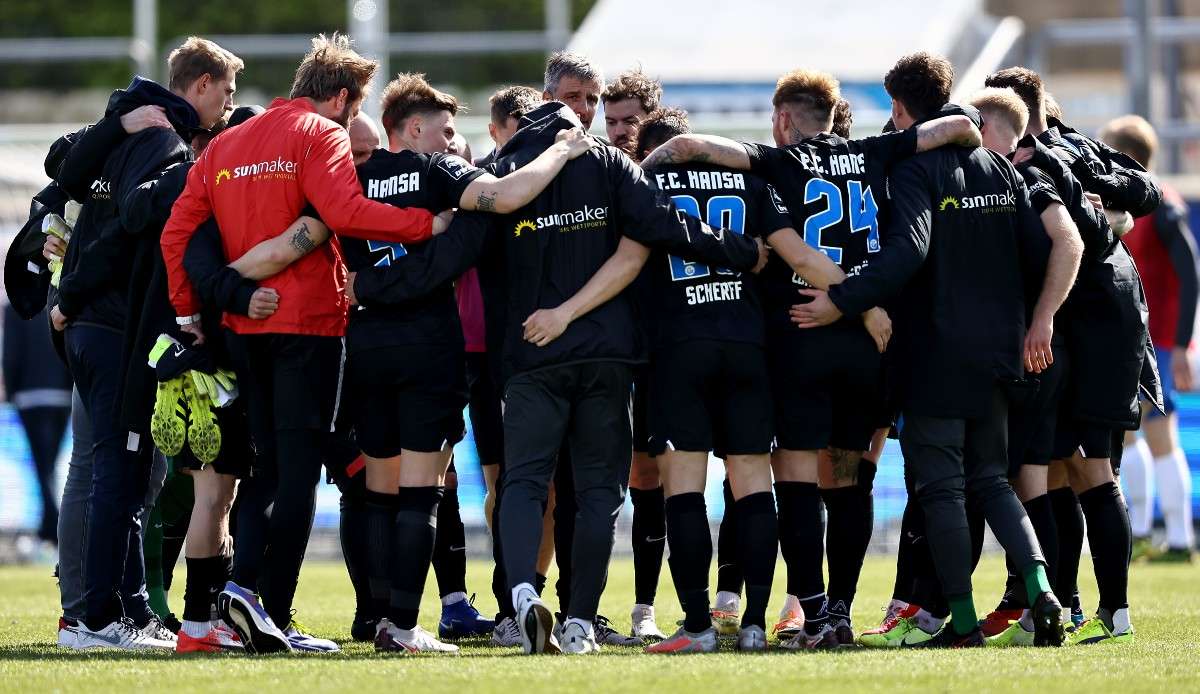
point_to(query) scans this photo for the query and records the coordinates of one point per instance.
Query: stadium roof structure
(754, 41)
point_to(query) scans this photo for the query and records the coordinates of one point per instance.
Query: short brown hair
(408, 95)
(921, 82)
(634, 84)
(1026, 83)
(1053, 108)
(197, 57)
(843, 118)
(1003, 104)
(513, 102)
(333, 65)
(661, 125)
(1133, 136)
(813, 91)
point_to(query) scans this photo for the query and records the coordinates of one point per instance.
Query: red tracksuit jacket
(256, 179)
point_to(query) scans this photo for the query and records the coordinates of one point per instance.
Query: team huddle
(251, 299)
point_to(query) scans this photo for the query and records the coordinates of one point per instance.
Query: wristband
(187, 320)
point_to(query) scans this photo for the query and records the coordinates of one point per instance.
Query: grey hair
(567, 64)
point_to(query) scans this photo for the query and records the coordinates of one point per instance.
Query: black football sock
(649, 540)
(1041, 517)
(691, 554)
(1068, 517)
(1109, 536)
(412, 551)
(380, 510)
(801, 538)
(204, 581)
(450, 547)
(354, 537)
(910, 532)
(729, 566)
(849, 530)
(758, 538)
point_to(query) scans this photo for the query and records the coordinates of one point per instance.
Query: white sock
(1120, 620)
(585, 623)
(196, 630)
(1026, 620)
(728, 601)
(791, 606)
(639, 608)
(928, 623)
(522, 592)
(1137, 477)
(896, 606)
(1175, 496)
(453, 598)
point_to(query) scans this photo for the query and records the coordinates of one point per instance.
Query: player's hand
(544, 325)
(576, 140)
(144, 117)
(442, 221)
(54, 248)
(1022, 155)
(1181, 369)
(1038, 354)
(821, 311)
(350, 289)
(195, 331)
(879, 327)
(1096, 200)
(57, 319)
(764, 252)
(264, 302)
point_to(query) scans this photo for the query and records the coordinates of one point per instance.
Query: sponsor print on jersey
(455, 166)
(987, 204)
(576, 220)
(277, 168)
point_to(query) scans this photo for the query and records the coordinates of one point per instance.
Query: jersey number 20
(724, 211)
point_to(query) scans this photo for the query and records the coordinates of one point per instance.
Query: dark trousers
(585, 408)
(950, 458)
(44, 427)
(113, 563)
(291, 383)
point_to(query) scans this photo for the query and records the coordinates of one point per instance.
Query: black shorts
(641, 396)
(408, 397)
(710, 395)
(827, 388)
(1092, 440)
(483, 396)
(1032, 424)
(344, 464)
(237, 453)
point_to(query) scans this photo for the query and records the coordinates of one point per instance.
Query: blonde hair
(197, 57)
(1003, 103)
(813, 91)
(331, 66)
(1132, 135)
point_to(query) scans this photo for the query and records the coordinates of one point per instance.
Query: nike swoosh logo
(114, 640)
(655, 539)
(179, 350)
(459, 549)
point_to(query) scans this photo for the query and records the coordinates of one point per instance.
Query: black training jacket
(541, 255)
(1115, 176)
(963, 238)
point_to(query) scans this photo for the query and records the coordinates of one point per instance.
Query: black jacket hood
(539, 127)
(144, 92)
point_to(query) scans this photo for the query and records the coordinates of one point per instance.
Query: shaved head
(364, 138)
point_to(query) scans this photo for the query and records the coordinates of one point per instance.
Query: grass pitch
(1164, 657)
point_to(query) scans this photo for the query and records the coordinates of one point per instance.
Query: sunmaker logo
(987, 204)
(278, 168)
(576, 220)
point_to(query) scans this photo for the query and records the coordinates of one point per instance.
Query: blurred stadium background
(59, 60)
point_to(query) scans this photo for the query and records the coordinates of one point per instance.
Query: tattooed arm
(270, 257)
(509, 194)
(699, 148)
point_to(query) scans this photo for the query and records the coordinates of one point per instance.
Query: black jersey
(434, 182)
(686, 300)
(836, 190)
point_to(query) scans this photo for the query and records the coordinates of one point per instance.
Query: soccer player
(1165, 253)
(97, 298)
(963, 236)
(1059, 199)
(825, 384)
(256, 179)
(1106, 308)
(405, 368)
(628, 100)
(576, 82)
(506, 106)
(708, 386)
(364, 138)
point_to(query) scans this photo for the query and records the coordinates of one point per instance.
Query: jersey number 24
(859, 206)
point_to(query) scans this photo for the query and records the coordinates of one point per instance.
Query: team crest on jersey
(455, 167)
(524, 225)
(776, 200)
